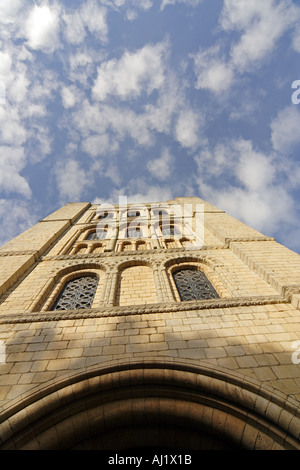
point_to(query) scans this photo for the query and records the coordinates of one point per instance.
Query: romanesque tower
(169, 325)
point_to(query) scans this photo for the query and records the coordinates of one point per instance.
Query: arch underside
(161, 405)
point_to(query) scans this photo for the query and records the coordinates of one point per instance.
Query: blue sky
(151, 99)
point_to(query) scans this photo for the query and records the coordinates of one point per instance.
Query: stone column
(112, 287)
(169, 296)
(158, 284)
(154, 239)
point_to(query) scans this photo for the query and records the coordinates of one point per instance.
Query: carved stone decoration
(77, 293)
(193, 285)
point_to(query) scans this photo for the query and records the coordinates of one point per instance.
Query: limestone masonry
(145, 335)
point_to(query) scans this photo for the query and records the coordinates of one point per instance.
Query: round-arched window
(77, 293)
(193, 285)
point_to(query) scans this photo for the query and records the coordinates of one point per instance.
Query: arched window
(97, 235)
(105, 215)
(81, 249)
(77, 293)
(91, 236)
(193, 285)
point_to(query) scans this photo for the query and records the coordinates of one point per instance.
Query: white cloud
(261, 24)
(71, 180)
(192, 3)
(81, 65)
(254, 169)
(161, 167)
(11, 130)
(138, 191)
(100, 144)
(187, 129)
(94, 17)
(90, 17)
(296, 41)
(9, 10)
(134, 73)
(68, 95)
(212, 71)
(285, 130)
(42, 28)
(12, 162)
(237, 158)
(110, 125)
(266, 211)
(74, 30)
(15, 217)
(5, 64)
(243, 181)
(101, 125)
(113, 172)
(130, 6)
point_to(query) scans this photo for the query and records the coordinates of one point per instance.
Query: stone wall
(251, 329)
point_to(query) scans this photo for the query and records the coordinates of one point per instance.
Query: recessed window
(193, 285)
(105, 215)
(77, 293)
(100, 234)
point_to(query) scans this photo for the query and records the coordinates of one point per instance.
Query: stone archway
(151, 404)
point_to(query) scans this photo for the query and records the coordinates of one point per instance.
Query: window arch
(105, 215)
(77, 293)
(193, 284)
(96, 235)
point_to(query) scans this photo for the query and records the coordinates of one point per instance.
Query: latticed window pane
(193, 285)
(77, 293)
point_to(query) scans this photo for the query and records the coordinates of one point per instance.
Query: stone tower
(168, 325)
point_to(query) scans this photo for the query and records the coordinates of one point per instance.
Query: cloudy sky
(151, 99)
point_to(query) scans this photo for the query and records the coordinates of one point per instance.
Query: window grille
(77, 293)
(193, 285)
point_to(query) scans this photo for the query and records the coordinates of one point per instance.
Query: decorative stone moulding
(166, 307)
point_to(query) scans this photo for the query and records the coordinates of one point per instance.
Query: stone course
(137, 313)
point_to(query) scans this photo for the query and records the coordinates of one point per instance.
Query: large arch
(153, 404)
